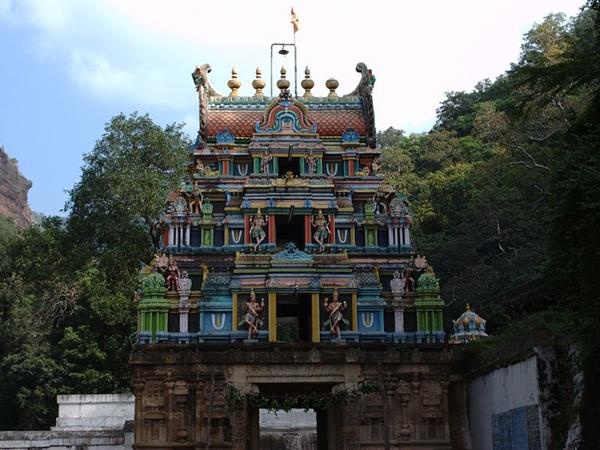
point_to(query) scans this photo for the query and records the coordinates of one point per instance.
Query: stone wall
(183, 394)
(13, 192)
(93, 412)
(85, 422)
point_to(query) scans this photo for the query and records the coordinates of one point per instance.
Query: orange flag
(295, 21)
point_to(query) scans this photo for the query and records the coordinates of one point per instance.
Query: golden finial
(283, 83)
(332, 84)
(468, 307)
(234, 84)
(258, 84)
(307, 84)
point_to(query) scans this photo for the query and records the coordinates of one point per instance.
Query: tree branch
(532, 165)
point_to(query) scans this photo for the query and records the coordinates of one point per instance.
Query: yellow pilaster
(234, 311)
(354, 312)
(226, 236)
(353, 236)
(316, 320)
(272, 317)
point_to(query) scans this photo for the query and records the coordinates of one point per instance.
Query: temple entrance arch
(315, 426)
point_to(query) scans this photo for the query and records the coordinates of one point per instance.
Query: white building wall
(500, 391)
(93, 422)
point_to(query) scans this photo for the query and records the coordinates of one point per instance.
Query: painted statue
(397, 284)
(409, 281)
(172, 274)
(265, 159)
(322, 232)
(257, 232)
(311, 162)
(253, 317)
(335, 309)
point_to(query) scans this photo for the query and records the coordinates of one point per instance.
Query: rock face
(13, 192)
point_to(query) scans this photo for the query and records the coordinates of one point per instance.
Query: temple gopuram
(288, 279)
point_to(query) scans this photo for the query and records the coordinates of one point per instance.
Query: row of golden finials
(283, 83)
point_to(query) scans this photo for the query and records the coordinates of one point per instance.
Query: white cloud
(144, 50)
(95, 72)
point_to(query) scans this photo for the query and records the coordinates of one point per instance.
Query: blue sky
(68, 66)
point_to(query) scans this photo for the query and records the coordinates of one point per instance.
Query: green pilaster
(320, 166)
(206, 225)
(275, 164)
(256, 162)
(302, 171)
(207, 236)
(154, 307)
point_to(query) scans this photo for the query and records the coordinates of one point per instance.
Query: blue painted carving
(284, 116)
(246, 203)
(350, 135)
(291, 253)
(225, 137)
(308, 203)
(270, 203)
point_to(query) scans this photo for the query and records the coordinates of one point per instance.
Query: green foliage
(66, 312)
(115, 209)
(311, 400)
(505, 192)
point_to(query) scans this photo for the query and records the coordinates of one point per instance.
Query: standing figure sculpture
(335, 308)
(409, 281)
(265, 159)
(311, 162)
(172, 274)
(257, 232)
(321, 223)
(253, 317)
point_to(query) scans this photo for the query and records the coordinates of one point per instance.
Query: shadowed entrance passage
(294, 417)
(294, 318)
(290, 229)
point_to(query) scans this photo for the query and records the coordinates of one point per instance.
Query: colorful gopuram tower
(289, 271)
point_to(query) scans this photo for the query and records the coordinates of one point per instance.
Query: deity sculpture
(184, 288)
(409, 281)
(322, 229)
(172, 274)
(398, 284)
(181, 206)
(335, 308)
(253, 317)
(265, 159)
(311, 162)
(257, 232)
(205, 170)
(195, 200)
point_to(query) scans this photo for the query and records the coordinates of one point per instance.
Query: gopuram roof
(349, 116)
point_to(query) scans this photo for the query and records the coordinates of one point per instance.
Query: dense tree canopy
(506, 194)
(66, 313)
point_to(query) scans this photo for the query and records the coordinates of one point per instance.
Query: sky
(68, 66)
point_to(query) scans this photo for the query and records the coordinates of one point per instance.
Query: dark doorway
(294, 318)
(288, 165)
(289, 229)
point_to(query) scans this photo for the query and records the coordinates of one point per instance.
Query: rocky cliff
(13, 191)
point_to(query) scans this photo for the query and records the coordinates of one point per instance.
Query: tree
(115, 209)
